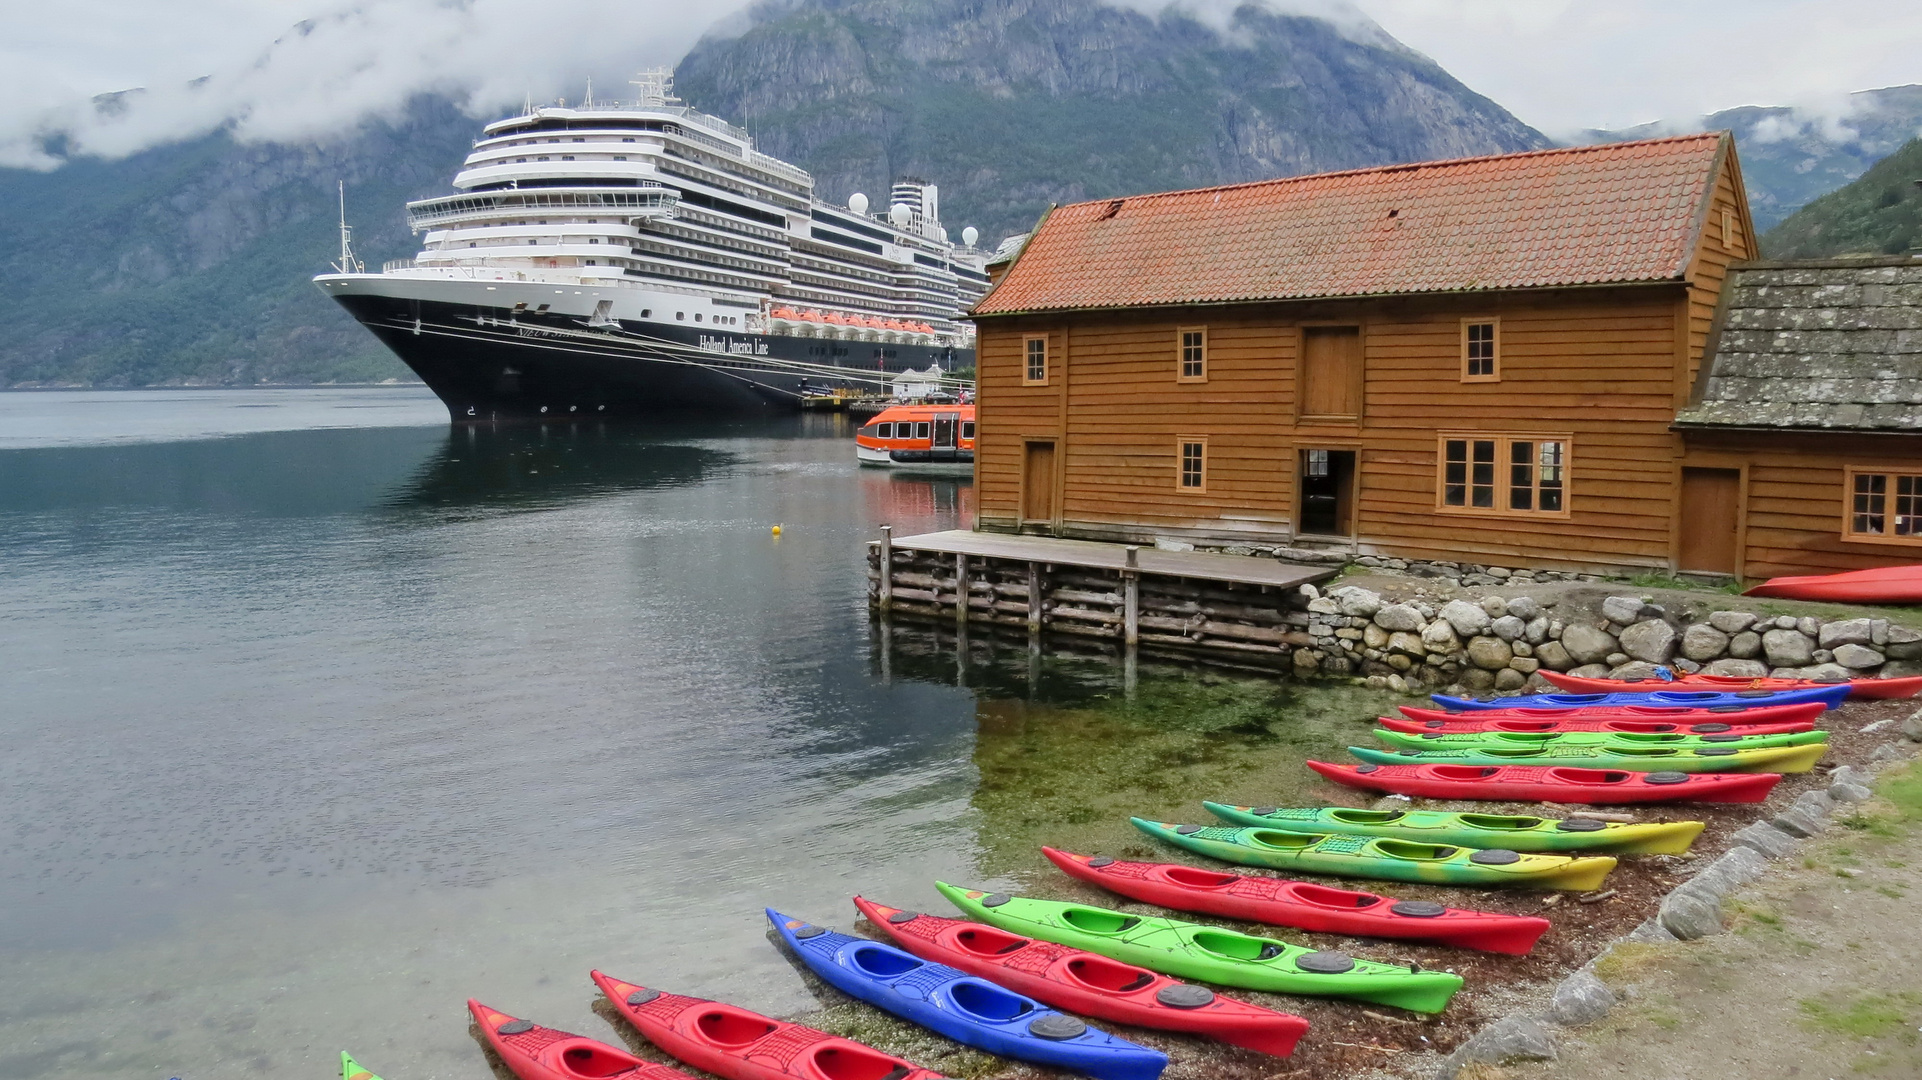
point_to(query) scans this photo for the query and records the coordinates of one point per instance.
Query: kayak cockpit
(1323, 896)
(881, 963)
(1499, 822)
(1113, 976)
(591, 1060)
(1414, 852)
(1367, 817)
(733, 1030)
(988, 1001)
(844, 1060)
(1097, 921)
(1194, 877)
(987, 941)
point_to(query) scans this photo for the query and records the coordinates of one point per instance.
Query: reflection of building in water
(898, 499)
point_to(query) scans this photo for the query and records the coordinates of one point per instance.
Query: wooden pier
(1187, 600)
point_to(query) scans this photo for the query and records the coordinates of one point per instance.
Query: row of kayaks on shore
(1015, 975)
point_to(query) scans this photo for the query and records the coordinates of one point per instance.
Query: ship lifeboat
(920, 437)
(835, 318)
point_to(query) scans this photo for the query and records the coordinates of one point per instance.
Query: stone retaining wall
(1501, 644)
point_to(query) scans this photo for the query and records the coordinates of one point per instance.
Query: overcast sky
(1561, 65)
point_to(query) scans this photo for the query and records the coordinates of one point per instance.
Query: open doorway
(1327, 493)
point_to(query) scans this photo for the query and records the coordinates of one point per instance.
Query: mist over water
(311, 734)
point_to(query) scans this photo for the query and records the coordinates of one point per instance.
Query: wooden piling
(1131, 598)
(887, 568)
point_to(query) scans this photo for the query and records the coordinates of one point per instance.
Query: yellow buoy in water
(777, 530)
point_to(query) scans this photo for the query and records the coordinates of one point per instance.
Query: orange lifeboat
(918, 436)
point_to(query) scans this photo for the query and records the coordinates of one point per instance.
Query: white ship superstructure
(609, 247)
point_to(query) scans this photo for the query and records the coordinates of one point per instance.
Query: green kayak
(1435, 740)
(351, 1070)
(1382, 858)
(1516, 833)
(1207, 953)
(1772, 759)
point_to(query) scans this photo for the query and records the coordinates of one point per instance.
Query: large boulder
(1741, 669)
(1525, 608)
(1467, 619)
(1510, 679)
(1440, 637)
(1489, 653)
(1508, 627)
(1651, 641)
(1731, 622)
(1357, 602)
(1536, 631)
(1845, 632)
(1373, 636)
(1622, 610)
(1396, 617)
(1746, 645)
(1553, 656)
(1856, 657)
(1494, 606)
(1787, 648)
(1703, 642)
(1587, 644)
(1636, 671)
(1590, 671)
(1903, 644)
(1401, 641)
(1580, 999)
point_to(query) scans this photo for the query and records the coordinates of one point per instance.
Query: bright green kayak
(351, 1070)
(1382, 858)
(1772, 759)
(1516, 833)
(1435, 740)
(1207, 953)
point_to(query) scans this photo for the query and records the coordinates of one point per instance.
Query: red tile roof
(1625, 212)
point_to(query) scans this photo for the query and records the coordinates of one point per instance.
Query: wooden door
(1331, 372)
(1710, 520)
(1037, 482)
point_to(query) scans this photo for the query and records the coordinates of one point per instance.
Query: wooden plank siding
(1595, 365)
(1709, 269)
(1797, 496)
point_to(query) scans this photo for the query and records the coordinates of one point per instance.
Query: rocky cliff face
(1012, 104)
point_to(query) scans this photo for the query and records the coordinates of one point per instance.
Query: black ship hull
(491, 365)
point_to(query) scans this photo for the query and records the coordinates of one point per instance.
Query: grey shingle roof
(1833, 345)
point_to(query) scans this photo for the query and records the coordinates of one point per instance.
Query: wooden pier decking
(1183, 599)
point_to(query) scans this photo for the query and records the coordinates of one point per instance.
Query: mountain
(1009, 105)
(1879, 214)
(1791, 156)
(190, 262)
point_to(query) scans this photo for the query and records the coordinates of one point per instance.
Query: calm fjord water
(319, 721)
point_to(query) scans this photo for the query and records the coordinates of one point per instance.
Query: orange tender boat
(1904, 687)
(918, 436)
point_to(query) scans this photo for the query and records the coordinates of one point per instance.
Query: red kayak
(1858, 688)
(1883, 585)
(1300, 904)
(1718, 718)
(534, 1052)
(1085, 982)
(1539, 783)
(1472, 724)
(741, 1045)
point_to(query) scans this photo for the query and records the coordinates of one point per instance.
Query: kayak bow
(351, 1069)
(533, 1052)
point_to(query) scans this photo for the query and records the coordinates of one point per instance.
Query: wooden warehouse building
(1803, 444)
(1478, 360)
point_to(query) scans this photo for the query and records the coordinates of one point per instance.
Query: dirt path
(1821, 978)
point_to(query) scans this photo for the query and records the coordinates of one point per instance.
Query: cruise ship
(606, 260)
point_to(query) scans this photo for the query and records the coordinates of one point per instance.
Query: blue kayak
(966, 1009)
(1830, 696)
